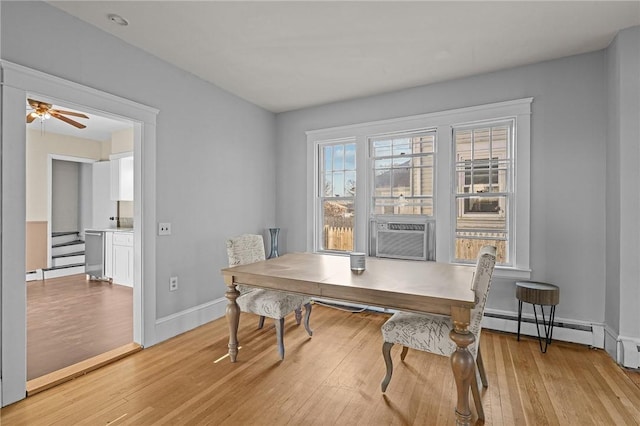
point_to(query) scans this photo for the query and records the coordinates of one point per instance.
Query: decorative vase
(274, 242)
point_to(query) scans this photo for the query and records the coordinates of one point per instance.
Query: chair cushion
(428, 333)
(270, 303)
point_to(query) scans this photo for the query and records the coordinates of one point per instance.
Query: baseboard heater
(582, 333)
(585, 334)
(556, 324)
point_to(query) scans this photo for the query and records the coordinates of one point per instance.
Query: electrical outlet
(173, 283)
(164, 228)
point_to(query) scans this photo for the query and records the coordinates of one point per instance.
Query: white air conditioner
(401, 240)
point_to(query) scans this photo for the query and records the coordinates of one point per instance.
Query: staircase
(67, 255)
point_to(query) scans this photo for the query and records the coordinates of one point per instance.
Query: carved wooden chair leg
(298, 312)
(261, 322)
(386, 354)
(280, 336)
(483, 374)
(476, 395)
(403, 354)
(307, 315)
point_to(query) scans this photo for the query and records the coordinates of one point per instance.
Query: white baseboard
(630, 351)
(63, 272)
(564, 329)
(183, 321)
(611, 344)
(34, 275)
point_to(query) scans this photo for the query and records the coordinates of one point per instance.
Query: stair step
(63, 271)
(64, 237)
(68, 243)
(59, 233)
(68, 259)
(67, 248)
(75, 253)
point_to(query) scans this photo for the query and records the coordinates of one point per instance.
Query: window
(483, 172)
(463, 172)
(337, 192)
(403, 170)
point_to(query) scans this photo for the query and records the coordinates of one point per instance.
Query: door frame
(18, 83)
(50, 190)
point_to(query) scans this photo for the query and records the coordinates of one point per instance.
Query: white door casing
(18, 83)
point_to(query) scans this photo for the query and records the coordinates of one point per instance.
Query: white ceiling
(290, 55)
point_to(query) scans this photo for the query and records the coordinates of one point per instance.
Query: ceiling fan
(44, 111)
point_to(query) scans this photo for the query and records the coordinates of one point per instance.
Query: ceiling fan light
(34, 115)
(46, 116)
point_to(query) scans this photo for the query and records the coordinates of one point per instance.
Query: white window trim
(442, 121)
(317, 204)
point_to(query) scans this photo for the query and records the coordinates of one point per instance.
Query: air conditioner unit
(401, 240)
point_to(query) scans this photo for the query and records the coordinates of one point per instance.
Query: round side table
(538, 293)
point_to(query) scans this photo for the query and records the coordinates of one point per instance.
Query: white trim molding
(18, 83)
(188, 319)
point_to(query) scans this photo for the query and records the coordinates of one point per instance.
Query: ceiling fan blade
(30, 118)
(74, 114)
(38, 104)
(33, 103)
(67, 120)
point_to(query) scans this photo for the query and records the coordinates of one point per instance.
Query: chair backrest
(481, 283)
(247, 248)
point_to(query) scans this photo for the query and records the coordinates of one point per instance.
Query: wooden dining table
(405, 285)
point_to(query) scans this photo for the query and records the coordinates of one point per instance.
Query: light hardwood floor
(333, 378)
(71, 319)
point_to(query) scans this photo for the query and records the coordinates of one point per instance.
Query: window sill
(512, 273)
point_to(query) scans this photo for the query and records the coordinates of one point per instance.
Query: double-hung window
(483, 165)
(336, 195)
(403, 171)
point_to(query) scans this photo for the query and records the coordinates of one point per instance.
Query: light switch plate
(164, 228)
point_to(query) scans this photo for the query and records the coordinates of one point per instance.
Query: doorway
(72, 320)
(19, 83)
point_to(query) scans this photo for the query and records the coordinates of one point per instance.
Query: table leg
(462, 362)
(233, 316)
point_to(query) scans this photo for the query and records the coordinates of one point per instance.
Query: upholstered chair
(430, 333)
(274, 304)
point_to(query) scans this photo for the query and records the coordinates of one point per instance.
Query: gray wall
(65, 195)
(215, 152)
(567, 167)
(623, 175)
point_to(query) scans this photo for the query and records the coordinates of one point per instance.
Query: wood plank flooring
(332, 378)
(71, 319)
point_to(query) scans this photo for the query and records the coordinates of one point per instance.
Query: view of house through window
(403, 170)
(483, 168)
(337, 195)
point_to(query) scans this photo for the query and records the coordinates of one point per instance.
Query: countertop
(110, 229)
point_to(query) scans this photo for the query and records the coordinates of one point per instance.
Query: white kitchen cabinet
(102, 206)
(122, 258)
(122, 179)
